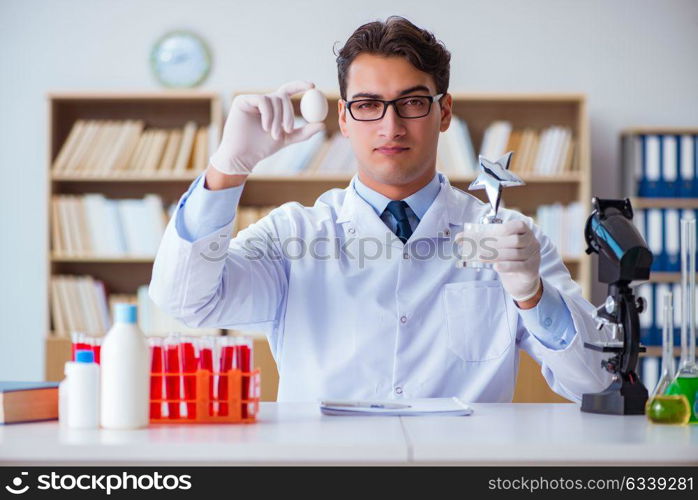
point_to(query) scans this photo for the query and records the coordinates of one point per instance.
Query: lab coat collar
(451, 207)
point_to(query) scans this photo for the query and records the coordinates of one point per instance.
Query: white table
(296, 433)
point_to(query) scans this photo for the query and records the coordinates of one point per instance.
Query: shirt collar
(419, 202)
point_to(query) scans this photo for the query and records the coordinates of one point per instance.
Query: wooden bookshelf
(170, 109)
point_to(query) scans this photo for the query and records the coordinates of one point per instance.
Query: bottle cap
(84, 356)
(125, 313)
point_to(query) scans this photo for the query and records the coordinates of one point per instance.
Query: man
(359, 295)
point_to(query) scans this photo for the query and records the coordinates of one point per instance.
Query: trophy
(493, 178)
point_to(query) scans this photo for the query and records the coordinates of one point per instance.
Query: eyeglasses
(411, 106)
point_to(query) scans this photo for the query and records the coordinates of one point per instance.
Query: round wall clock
(180, 59)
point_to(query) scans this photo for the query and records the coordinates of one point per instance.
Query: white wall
(636, 60)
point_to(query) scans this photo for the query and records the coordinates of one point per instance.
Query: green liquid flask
(686, 381)
(668, 409)
(661, 408)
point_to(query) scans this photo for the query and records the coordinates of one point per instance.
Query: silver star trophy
(493, 178)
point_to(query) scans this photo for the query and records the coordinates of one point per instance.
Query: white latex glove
(258, 126)
(517, 258)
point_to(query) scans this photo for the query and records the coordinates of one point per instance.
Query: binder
(669, 185)
(672, 231)
(652, 168)
(655, 238)
(687, 187)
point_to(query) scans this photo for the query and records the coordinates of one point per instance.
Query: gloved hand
(516, 257)
(258, 126)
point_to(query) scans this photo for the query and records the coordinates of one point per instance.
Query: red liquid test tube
(173, 372)
(156, 378)
(244, 362)
(227, 362)
(206, 363)
(189, 363)
(97, 349)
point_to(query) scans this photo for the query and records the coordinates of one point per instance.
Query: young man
(359, 295)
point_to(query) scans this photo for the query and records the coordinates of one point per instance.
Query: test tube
(97, 348)
(156, 376)
(244, 359)
(688, 294)
(206, 346)
(227, 362)
(173, 372)
(189, 364)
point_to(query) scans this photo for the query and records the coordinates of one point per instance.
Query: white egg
(314, 106)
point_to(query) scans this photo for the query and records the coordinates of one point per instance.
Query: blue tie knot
(397, 210)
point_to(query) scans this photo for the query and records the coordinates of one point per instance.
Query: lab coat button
(403, 319)
(405, 255)
(398, 390)
(351, 230)
(548, 322)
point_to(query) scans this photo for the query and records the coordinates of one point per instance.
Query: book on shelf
(28, 401)
(91, 225)
(81, 303)
(113, 148)
(661, 165)
(564, 226)
(455, 154)
(549, 152)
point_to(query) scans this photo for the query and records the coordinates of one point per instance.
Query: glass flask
(662, 408)
(686, 381)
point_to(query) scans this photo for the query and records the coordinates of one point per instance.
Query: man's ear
(341, 111)
(446, 112)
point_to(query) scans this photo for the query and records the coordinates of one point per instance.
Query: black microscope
(623, 258)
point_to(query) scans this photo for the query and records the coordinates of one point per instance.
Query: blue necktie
(397, 210)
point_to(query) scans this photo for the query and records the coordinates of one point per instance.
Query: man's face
(395, 151)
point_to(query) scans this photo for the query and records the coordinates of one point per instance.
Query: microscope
(623, 258)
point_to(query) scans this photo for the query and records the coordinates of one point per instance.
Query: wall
(635, 59)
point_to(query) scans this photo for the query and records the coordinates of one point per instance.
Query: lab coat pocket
(476, 320)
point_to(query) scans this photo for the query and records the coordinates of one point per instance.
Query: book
(186, 146)
(28, 401)
(397, 407)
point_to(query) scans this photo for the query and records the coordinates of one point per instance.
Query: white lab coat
(394, 324)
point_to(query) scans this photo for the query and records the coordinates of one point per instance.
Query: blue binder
(687, 167)
(669, 185)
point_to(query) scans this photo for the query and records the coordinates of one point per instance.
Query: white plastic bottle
(79, 393)
(125, 373)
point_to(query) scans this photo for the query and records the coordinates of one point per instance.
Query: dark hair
(396, 37)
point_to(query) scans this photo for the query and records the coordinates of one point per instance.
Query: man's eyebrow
(368, 95)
